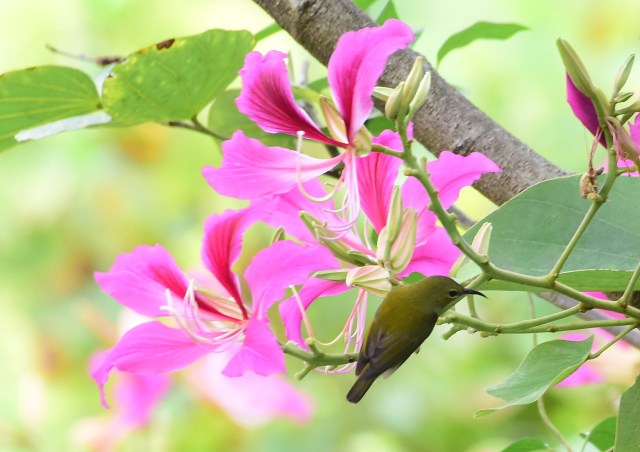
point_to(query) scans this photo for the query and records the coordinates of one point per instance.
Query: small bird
(403, 321)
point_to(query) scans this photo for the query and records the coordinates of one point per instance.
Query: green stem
(315, 358)
(624, 299)
(539, 325)
(385, 150)
(555, 271)
(196, 126)
(613, 341)
(545, 418)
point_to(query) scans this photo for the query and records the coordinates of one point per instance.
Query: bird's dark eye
(453, 293)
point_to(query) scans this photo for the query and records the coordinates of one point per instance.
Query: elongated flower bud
(413, 80)
(372, 278)
(394, 102)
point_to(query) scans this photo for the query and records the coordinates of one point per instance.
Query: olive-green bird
(403, 321)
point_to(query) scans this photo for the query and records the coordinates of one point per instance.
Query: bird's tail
(359, 389)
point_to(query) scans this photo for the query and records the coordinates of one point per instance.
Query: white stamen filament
(200, 330)
(353, 329)
(303, 313)
(307, 195)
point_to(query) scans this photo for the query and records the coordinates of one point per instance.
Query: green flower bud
(623, 74)
(421, 95)
(394, 102)
(413, 80)
(372, 278)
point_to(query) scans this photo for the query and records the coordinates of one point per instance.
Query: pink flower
(250, 400)
(135, 398)
(210, 318)
(430, 254)
(584, 110)
(251, 170)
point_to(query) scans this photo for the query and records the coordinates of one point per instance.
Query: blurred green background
(71, 203)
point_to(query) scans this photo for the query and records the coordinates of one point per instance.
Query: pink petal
(149, 349)
(251, 170)
(583, 108)
(138, 280)
(414, 195)
(267, 99)
(250, 400)
(451, 172)
(222, 244)
(435, 257)
(356, 65)
(260, 352)
(288, 205)
(634, 131)
(137, 395)
(586, 373)
(290, 311)
(377, 174)
(283, 264)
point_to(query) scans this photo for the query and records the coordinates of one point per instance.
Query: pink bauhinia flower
(429, 253)
(250, 169)
(211, 317)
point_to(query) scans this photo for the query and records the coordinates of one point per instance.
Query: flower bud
(372, 278)
(575, 68)
(413, 81)
(480, 245)
(622, 97)
(394, 217)
(335, 123)
(623, 74)
(394, 102)
(382, 93)
(332, 275)
(403, 246)
(421, 95)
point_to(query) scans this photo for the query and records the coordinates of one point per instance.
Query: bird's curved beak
(474, 292)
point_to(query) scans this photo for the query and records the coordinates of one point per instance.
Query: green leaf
(224, 119)
(531, 230)
(364, 4)
(627, 432)
(527, 445)
(545, 365)
(174, 79)
(479, 30)
(268, 31)
(388, 12)
(319, 85)
(603, 435)
(40, 95)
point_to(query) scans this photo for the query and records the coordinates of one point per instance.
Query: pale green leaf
(174, 79)
(545, 365)
(388, 12)
(603, 435)
(268, 31)
(627, 432)
(527, 445)
(531, 230)
(41, 95)
(479, 30)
